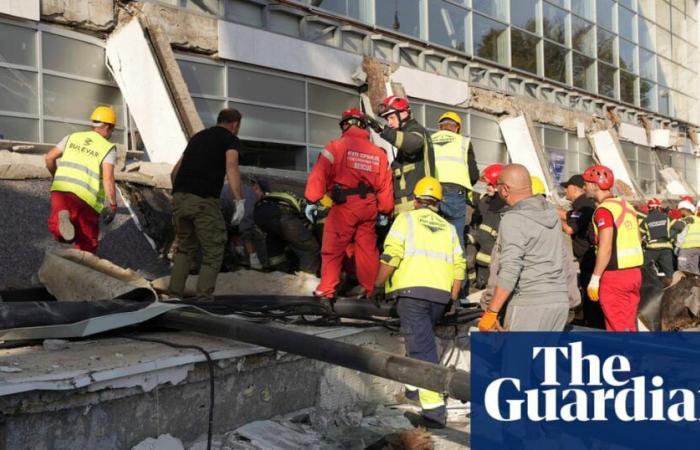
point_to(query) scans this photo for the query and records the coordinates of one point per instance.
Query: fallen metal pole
(453, 382)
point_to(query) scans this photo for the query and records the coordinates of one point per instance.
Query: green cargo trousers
(197, 219)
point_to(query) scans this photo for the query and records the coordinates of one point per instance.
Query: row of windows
(46, 95)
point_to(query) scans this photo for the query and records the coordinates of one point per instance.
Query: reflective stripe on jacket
(692, 236)
(451, 158)
(425, 250)
(80, 168)
(627, 244)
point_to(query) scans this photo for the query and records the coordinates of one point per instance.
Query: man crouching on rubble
(531, 262)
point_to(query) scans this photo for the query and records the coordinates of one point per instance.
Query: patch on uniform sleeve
(601, 222)
(362, 161)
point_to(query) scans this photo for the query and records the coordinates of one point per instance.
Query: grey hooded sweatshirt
(531, 253)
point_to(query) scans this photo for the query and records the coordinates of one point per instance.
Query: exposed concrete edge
(80, 16)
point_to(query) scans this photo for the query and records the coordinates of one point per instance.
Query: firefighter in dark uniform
(280, 215)
(658, 238)
(484, 224)
(415, 157)
(578, 223)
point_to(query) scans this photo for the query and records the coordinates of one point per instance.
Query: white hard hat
(685, 204)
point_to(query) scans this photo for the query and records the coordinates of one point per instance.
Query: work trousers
(285, 229)
(453, 208)
(482, 276)
(688, 259)
(84, 218)
(418, 318)
(550, 315)
(662, 259)
(349, 222)
(592, 312)
(619, 298)
(198, 223)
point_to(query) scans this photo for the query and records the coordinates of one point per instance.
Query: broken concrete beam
(377, 76)
(91, 15)
(19, 166)
(185, 29)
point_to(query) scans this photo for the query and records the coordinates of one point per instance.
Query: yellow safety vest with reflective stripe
(424, 249)
(692, 236)
(628, 242)
(80, 168)
(451, 158)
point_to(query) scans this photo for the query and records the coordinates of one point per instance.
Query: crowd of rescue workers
(396, 229)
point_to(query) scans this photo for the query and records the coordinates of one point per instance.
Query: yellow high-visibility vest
(628, 242)
(284, 197)
(451, 158)
(692, 237)
(80, 168)
(425, 250)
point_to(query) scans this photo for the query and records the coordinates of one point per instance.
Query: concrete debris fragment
(76, 275)
(55, 344)
(251, 282)
(271, 435)
(9, 369)
(163, 442)
(20, 166)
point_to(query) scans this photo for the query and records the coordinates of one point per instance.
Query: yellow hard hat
(104, 114)
(428, 187)
(453, 116)
(326, 201)
(537, 186)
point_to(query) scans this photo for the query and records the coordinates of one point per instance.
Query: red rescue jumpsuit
(348, 162)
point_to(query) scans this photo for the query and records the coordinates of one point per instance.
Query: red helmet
(491, 173)
(654, 203)
(644, 209)
(600, 175)
(355, 115)
(674, 214)
(393, 104)
(688, 198)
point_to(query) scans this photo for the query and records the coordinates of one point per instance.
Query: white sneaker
(65, 226)
(255, 262)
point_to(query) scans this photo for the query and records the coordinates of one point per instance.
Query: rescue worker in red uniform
(356, 174)
(617, 278)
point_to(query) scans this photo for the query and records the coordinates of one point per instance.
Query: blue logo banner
(585, 390)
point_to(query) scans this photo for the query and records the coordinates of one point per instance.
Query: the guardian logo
(576, 387)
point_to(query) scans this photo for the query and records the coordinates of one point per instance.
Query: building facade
(638, 58)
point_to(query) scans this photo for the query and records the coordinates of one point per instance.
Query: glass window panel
(647, 95)
(67, 55)
(524, 50)
(645, 171)
(349, 8)
(663, 14)
(331, 101)
(447, 25)
(646, 34)
(490, 39)
(261, 122)
(584, 72)
(562, 3)
(493, 8)
(583, 36)
(571, 164)
(55, 131)
(73, 99)
(18, 45)
(258, 86)
(647, 64)
(402, 16)
(322, 129)
(631, 4)
(664, 105)
(583, 8)
(630, 151)
(244, 12)
(208, 110)
(482, 127)
(274, 155)
(606, 80)
(604, 13)
(18, 91)
(663, 42)
(664, 71)
(646, 8)
(283, 22)
(678, 24)
(606, 43)
(680, 51)
(627, 21)
(20, 129)
(585, 161)
(644, 155)
(628, 56)
(555, 62)
(554, 23)
(627, 89)
(523, 14)
(487, 152)
(554, 139)
(202, 78)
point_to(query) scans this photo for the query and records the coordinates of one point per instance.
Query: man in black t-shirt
(210, 155)
(578, 223)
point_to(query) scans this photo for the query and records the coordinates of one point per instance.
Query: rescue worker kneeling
(422, 266)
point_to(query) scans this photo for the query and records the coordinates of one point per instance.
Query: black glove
(374, 124)
(378, 295)
(108, 214)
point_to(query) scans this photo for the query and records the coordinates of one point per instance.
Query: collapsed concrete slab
(606, 148)
(20, 166)
(93, 15)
